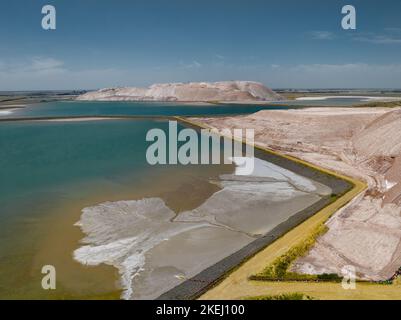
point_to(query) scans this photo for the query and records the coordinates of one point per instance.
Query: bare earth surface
(364, 143)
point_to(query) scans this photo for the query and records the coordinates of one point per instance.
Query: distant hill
(188, 92)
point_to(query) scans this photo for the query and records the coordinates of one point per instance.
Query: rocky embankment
(188, 92)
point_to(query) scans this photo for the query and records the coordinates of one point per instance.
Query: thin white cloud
(196, 64)
(44, 64)
(347, 75)
(36, 65)
(393, 30)
(193, 65)
(388, 36)
(50, 73)
(321, 35)
(379, 39)
(330, 67)
(351, 75)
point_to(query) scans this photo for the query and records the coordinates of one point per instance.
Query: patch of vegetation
(278, 270)
(382, 104)
(332, 277)
(334, 197)
(284, 296)
(385, 282)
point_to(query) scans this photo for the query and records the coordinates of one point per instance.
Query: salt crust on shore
(154, 249)
(5, 112)
(362, 98)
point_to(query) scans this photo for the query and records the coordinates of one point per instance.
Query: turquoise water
(47, 170)
(78, 108)
(50, 170)
(40, 156)
(45, 163)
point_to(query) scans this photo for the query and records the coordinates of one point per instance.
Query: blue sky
(282, 43)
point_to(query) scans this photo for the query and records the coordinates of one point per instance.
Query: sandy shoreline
(6, 112)
(80, 119)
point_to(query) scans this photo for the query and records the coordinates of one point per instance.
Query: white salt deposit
(140, 237)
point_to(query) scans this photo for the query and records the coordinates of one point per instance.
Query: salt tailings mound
(379, 144)
(188, 92)
(382, 137)
(364, 143)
